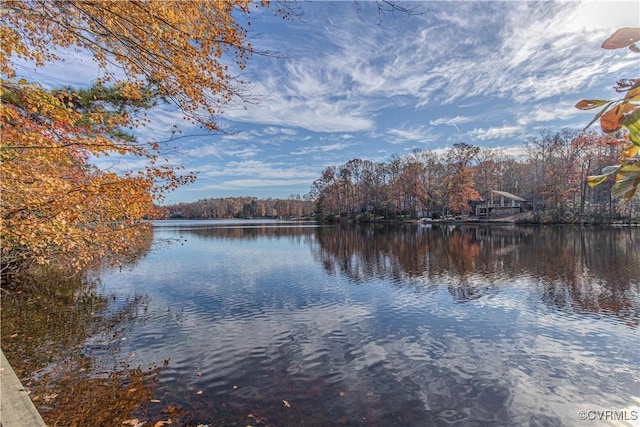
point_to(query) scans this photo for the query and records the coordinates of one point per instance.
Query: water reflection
(285, 324)
(55, 330)
(594, 271)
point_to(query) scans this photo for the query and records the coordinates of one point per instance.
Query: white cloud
(250, 183)
(312, 113)
(548, 112)
(246, 152)
(272, 130)
(209, 150)
(321, 148)
(495, 132)
(239, 136)
(414, 134)
(258, 169)
(517, 151)
(451, 120)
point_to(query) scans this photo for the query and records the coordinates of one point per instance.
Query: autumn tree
(486, 172)
(555, 160)
(495, 170)
(412, 188)
(56, 206)
(433, 170)
(592, 152)
(371, 191)
(458, 187)
(183, 49)
(327, 191)
(539, 154)
(553, 176)
(512, 175)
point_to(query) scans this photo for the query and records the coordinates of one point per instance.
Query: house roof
(508, 195)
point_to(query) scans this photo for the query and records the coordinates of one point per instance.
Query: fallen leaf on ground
(134, 422)
(49, 397)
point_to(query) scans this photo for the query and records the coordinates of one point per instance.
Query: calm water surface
(295, 324)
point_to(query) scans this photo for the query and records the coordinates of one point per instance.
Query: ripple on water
(374, 346)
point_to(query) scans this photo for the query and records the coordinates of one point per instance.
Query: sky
(350, 83)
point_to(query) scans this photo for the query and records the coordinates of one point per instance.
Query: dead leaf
(588, 104)
(162, 423)
(623, 37)
(259, 420)
(134, 422)
(286, 404)
(49, 397)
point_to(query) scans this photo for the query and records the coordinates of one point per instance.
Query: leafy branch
(621, 119)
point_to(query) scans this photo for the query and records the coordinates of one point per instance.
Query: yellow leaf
(596, 180)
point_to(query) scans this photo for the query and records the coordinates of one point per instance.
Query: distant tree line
(295, 206)
(551, 176)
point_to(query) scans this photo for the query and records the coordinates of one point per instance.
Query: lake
(277, 323)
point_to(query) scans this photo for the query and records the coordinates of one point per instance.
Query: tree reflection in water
(591, 271)
(63, 339)
(65, 336)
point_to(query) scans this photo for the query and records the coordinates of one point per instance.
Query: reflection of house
(500, 203)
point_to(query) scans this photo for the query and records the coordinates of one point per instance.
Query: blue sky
(351, 85)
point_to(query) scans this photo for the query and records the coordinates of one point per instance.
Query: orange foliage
(185, 48)
(55, 206)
